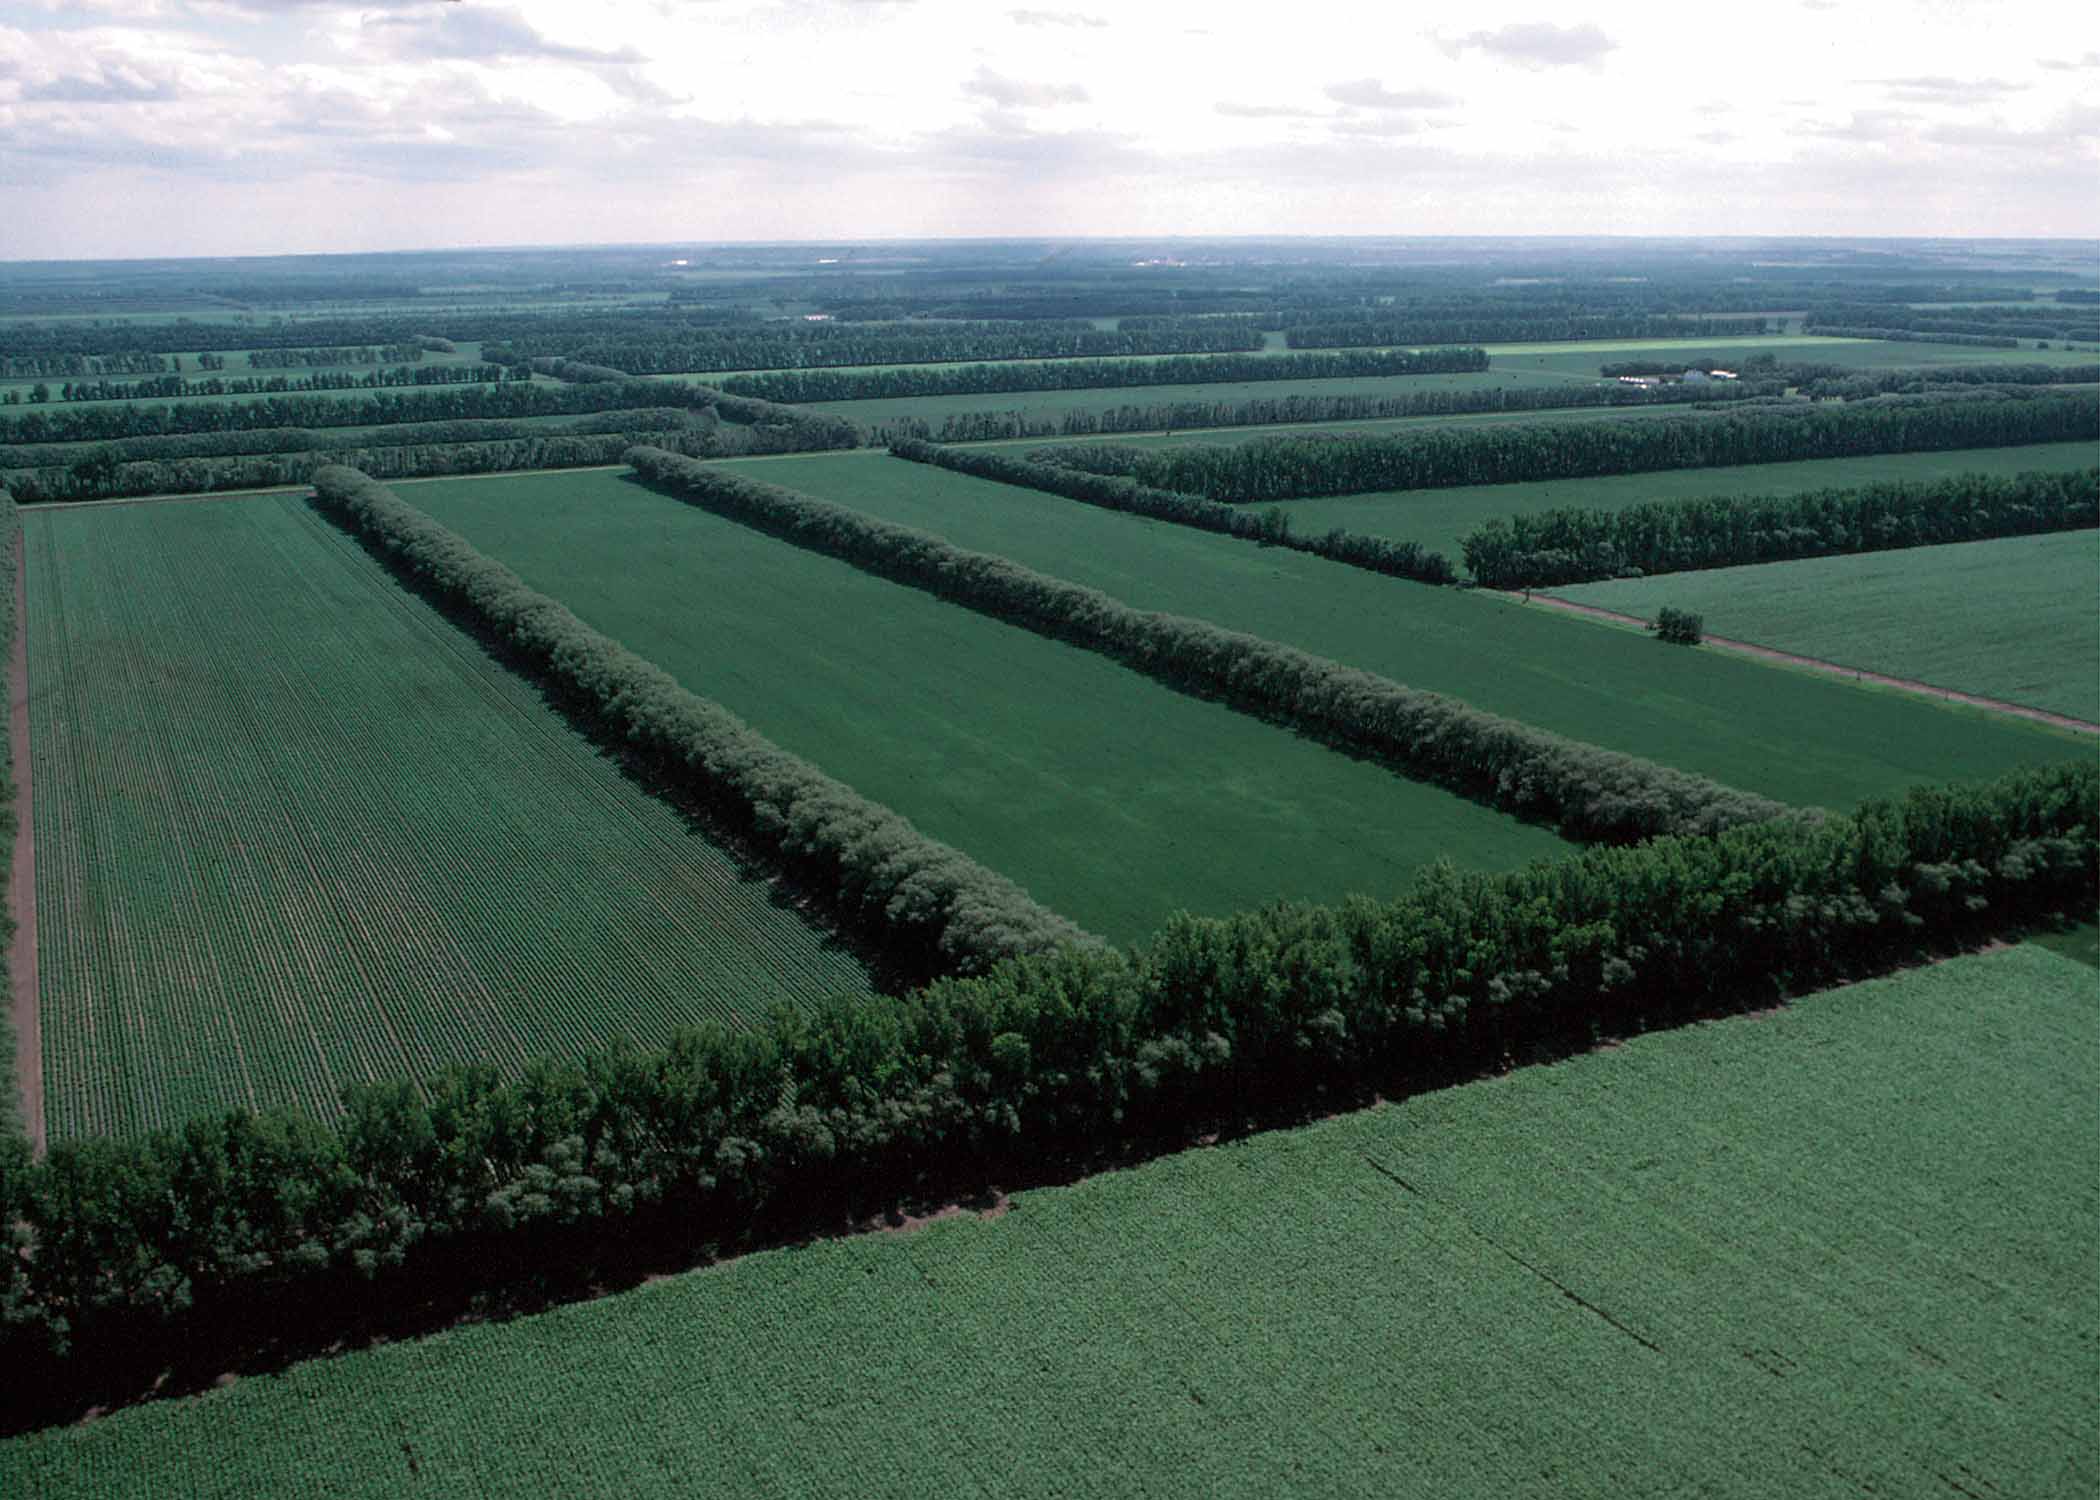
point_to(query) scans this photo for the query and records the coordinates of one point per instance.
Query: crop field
(1051, 405)
(2010, 618)
(1843, 1248)
(1050, 764)
(1803, 739)
(1440, 518)
(293, 829)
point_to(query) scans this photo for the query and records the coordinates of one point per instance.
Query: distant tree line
(2040, 321)
(670, 349)
(1270, 528)
(337, 354)
(28, 366)
(1268, 411)
(1585, 792)
(1674, 536)
(1912, 336)
(1838, 381)
(1513, 330)
(1341, 463)
(445, 404)
(170, 387)
(129, 1250)
(1085, 374)
(576, 372)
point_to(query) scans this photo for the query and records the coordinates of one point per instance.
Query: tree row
(1521, 329)
(1270, 528)
(1675, 536)
(1341, 463)
(1586, 792)
(1086, 374)
(129, 1253)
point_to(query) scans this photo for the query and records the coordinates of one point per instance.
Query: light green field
(294, 830)
(1801, 738)
(2012, 618)
(1441, 518)
(1843, 1249)
(1113, 799)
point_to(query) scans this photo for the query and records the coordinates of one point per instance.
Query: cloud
(1369, 93)
(1055, 18)
(1868, 127)
(1265, 111)
(1538, 44)
(2071, 64)
(1015, 93)
(475, 33)
(1943, 90)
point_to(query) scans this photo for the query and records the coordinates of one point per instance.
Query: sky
(227, 127)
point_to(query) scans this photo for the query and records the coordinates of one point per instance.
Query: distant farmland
(293, 829)
(1440, 518)
(2010, 618)
(1841, 1249)
(1789, 736)
(1111, 798)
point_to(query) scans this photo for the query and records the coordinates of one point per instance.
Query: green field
(1841, 1249)
(1440, 518)
(293, 829)
(2011, 618)
(1800, 738)
(1111, 798)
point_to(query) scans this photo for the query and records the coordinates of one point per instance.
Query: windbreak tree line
(1265, 411)
(337, 354)
(1584, 791)
(1089, 374)
(1913, 336)
(653, 349)
(934, 909)
(450, 404)
(2036, 322)
(1835, 381)
(17, 366)
(1375, 553)
(167, 387)
(1077, 1055)
(1408, 328)
(1293, 466)
(1674, 536)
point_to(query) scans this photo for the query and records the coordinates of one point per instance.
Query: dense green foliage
(1340, 463)
(1074, 1052)
(2011, 619)
(336, 354)
(1586, 792)
(1909, 336)
(1680, 627)
(1671, 536)
(1825, 381)
(2030, 321)
(475, 402)
(1083, 374)
(1846, 1221)
(668, 348)
(352, 845)
(1417, 328)
(175, 387)
(935, 909)
(1265, 411)
(1396, 559)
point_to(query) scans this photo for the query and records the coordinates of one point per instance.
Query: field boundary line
(1818, 664)
(21, 891)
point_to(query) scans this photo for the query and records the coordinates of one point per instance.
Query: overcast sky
(200, 127)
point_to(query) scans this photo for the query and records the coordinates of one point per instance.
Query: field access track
(295, 829)
(1788, 735)
(1110, 798)
(1842, 1249)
